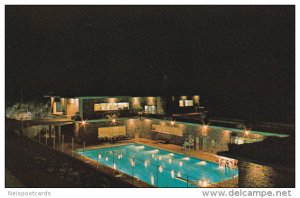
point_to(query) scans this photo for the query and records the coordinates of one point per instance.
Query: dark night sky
(241, 59)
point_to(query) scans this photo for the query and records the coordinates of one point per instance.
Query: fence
(137, 169)
(146, 171)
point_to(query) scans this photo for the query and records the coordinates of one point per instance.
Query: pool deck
(232, 183)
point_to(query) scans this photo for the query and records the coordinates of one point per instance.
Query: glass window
(188, 103)
(181, 104)
(167, 129)
(103, 106)
(111, 106)
(150, 109)
(97, 107)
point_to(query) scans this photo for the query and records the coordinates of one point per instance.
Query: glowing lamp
(246, 132)
(160, 169)
(83, 122)
(202, 163)
(152, 180)
(180, 164)
(172, 173)
(178, 174)
(203, 183)
(205, 127)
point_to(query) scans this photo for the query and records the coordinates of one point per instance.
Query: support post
(62, 146)
(59, 135)
(54, 142)
(72, 146)
(97, 158)
(156, 176)
(113, 162)
(83, 150)
(46, 138)
(187, 181)
(133, 170)
(39, 136)
(50, 131)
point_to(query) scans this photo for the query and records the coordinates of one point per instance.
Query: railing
(146, 171)
(137, 169)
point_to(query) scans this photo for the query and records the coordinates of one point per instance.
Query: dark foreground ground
(270, 163)
(31, 164)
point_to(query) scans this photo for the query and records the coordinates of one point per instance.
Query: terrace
(73, 138)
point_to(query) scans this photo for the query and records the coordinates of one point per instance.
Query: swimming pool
(159, 167)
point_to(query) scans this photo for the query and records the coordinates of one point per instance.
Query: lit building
(97, 107)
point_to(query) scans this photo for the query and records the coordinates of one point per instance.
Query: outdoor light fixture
(204, 127)
(178, 174)
(113, 121)
(132, 163)
(202, 163)
(226, 131)
(160, 169)
(247, 131)
(83, 122)
(172, 122)
(172, 173)
(203, 183)
(152, 180)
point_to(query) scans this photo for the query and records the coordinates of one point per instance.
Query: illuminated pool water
(159, 167)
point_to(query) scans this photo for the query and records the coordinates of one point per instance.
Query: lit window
(97, 107)
(181, 104)
(111, 106)
(188, 103)
(150, 109)
(103, 106)
(167, 129)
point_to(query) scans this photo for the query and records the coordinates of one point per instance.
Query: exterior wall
(51, 102)
(211, 141)
(72, 106)
(161, 106)
(177, 109)
(63, 104)
(135, 104)
(88, 107)
(85, 105)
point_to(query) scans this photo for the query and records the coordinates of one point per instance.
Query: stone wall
(212, 140)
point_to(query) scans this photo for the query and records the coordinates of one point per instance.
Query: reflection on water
(258, 176)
